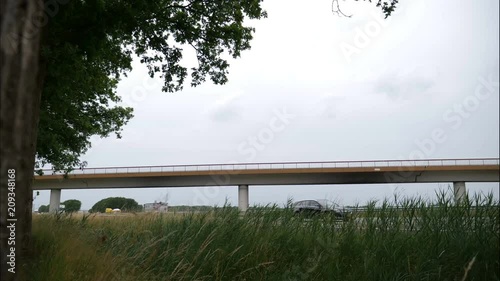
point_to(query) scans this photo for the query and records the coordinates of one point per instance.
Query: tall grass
(411, 239)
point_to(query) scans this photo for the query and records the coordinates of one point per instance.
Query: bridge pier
(243, 197)
(55, 200)
(459, 190)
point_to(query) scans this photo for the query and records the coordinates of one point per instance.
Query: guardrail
(281, 165)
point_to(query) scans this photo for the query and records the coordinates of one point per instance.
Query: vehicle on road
(319, 206)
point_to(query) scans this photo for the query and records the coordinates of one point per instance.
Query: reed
(408, 239)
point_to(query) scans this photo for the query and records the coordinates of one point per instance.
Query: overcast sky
(359, 88)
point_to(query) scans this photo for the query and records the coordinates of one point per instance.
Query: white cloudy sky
(359, 88)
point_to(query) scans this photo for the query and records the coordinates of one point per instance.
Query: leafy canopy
(88, 45)
(72, 205)
(387, 6)
(43, 209)
(124, 204)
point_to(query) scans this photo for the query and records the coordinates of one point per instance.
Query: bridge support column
(55, 200)
(459, 190)
(243, 197)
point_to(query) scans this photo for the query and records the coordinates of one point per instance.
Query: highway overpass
(458, 171)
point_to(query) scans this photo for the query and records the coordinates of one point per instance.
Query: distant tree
(43, 209)
(122, 203)
(185, 208)
(72, 205)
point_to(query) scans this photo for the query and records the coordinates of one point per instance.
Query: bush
(122, 203)
(72, 205)
(43, 209)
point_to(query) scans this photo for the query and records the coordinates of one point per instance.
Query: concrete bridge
(458, 171)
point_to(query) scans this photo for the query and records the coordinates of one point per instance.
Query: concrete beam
(55, 200)
(459, 190)
(234, 179)
(243, 197)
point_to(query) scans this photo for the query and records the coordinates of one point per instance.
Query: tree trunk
(21, 24)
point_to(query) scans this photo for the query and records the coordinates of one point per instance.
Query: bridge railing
(281, 165)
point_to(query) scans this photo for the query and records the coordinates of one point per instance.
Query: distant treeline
(186, 208)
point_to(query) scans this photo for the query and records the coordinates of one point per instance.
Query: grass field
(414, 241)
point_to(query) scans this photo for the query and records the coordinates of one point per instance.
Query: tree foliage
(59, 89)
(72, 205)
(387, 7)
(89, 45)
(122, 203)
(43, 209)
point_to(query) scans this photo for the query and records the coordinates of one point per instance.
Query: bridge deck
(297, 173)
(151, 173)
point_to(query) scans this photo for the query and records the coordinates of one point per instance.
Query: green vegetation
(415, 241)
(185, 208)
(88, 47)
(122, 203)
(61, 63)
(43, 209)
(72, 205)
